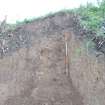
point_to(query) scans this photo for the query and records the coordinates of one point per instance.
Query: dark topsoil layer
(56, 24)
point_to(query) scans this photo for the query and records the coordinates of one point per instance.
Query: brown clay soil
(34, 73)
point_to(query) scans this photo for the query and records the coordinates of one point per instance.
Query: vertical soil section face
(33, 69)
(36, 76)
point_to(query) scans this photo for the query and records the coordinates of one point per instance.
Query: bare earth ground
(35, 75)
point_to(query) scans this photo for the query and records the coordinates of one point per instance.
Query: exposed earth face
(32, 72)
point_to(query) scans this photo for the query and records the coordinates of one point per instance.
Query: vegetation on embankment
(92, 21)
(92, 16)
(88, 21)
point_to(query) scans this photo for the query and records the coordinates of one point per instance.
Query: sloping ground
(32, 71)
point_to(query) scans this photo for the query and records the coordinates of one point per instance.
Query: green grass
(92, 16)
(30, 20)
